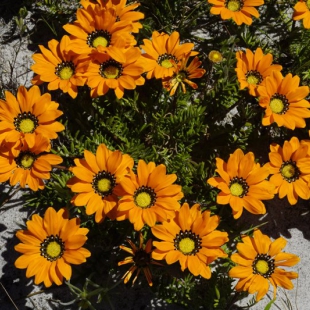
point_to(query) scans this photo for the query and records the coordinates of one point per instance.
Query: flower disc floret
(99, 37)
(234, 5)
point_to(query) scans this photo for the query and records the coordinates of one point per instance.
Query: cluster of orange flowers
(27, 125)
(281, 97)
(101, 53)
(241, 11)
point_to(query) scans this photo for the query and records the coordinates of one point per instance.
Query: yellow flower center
(53, 249)
(253, 80)
(100, 41)
(276, 105)
(233, 5)
(308, 4)
(27, 161)
(143, 200)
(111, 69)
(262, 266)
(215, 56)
(104, 185)
(166, 63)
(187, 245)
(66, 73)
(27, 125)
(111, 72)
(288, 171)
(236, 189)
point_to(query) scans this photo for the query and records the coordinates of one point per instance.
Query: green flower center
(99, 37)
(144, 197)
(167, 60)
(187, 242)
(263, 264)
(234, 5)
(26, 122)
(186, 245)
(25, 159)
(65, 70)
(290, 171)
(104, 183)
(111, 69)
(308, 4)
(181, 76)
(253, 77)
(52, 248)
(279, 104)
(238, 187)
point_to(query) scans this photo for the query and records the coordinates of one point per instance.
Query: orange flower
(49, 245)
(191, 239)
(28, 114)
(123, 12)
(241, 11)
(243, 183)
(163, 52)
(58, 66)
(141, 259)
(97, 180)
(252, 69)
(290, 169)
(302, 11)
(183, 75)
(96, 27)
(284, 101)
(105, 72)
(29, 166)
(149, 196)
(258, 261)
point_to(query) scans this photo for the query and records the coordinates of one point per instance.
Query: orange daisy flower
(97, 179)
(104, 72)
(123, 12)
(302, 11)
(49, 245)
(149, 196)
(183, 75)
(95, 26)
(141, 258)
(243, 183)
(191, 239)
(163, 52)
(28, 114)
(284, 101)
(290, 169)
(253, 68)
(58, 66)
(258, 261)
(241, 11)
(29, 166)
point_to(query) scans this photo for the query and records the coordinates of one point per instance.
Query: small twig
(9, 296)
(10, 196)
